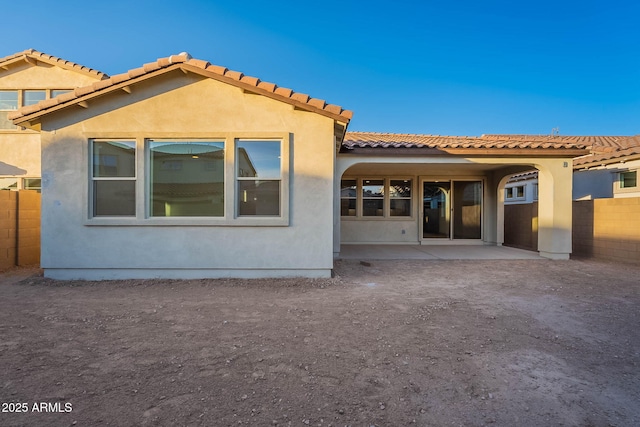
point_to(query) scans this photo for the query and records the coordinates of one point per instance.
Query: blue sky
(434, 67)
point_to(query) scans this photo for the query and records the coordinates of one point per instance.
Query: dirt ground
(394, 343)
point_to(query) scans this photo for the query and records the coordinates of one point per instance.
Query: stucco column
(555, 208)
(493, 223)
(336, 209)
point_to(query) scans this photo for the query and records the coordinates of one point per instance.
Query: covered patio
(434, 252)
(415, 193)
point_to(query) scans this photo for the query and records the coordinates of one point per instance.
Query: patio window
(113, 178)
(376, 197)
(400, 197)
(348, 197)
(373, 197)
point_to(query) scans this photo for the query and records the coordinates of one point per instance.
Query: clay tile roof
(395, 140)
(610, 150)
(251, 81)
(217, 69)
(186, 63)
(236, 75)
(151, 66)
(53, 60)
(283, 91)
(269, 87)
(318, 103)
(302, 97)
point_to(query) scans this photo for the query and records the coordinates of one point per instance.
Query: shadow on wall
(7, 169)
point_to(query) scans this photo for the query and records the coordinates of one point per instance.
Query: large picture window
(113, 178)
(186, 178)
(203, 181)
(259, 174)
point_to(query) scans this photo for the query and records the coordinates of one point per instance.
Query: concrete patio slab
(433, 252)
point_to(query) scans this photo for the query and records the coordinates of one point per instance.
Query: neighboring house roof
(32, 56)
(524, 176)
(502, 143)
(596, 143)
(183, 62)
(605, 158)
(605, 150)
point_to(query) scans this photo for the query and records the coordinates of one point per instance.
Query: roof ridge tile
(217, 69)
(252, 81)
(236, 75)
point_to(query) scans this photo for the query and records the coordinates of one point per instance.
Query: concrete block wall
(28, 235)
(8, 228)
(19, 228)
(607, 229)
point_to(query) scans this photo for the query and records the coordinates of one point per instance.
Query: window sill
(377, 218)
(188, 222)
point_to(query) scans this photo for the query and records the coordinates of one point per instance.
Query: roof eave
(33, 57)
(255, 89)
(35, 117)
(467, 152)
(605, 162)
(29, 120)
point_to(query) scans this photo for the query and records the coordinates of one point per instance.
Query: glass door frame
(451, 180)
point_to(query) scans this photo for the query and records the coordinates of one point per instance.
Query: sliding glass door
(436, 202)
(452, 209)
(467, 208)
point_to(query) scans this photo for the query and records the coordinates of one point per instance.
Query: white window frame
(7, 111)
(386, 204)
(513, 189)
(21, 182)
(238, 178)
(230, 219)
(48, 94)
(178, 167)
(619, 189)
(92, 179)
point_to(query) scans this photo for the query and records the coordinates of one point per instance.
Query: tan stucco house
(27, 78)
(183, 169)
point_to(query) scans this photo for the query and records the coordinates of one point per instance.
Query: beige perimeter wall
(607, 229)
(19, 228)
